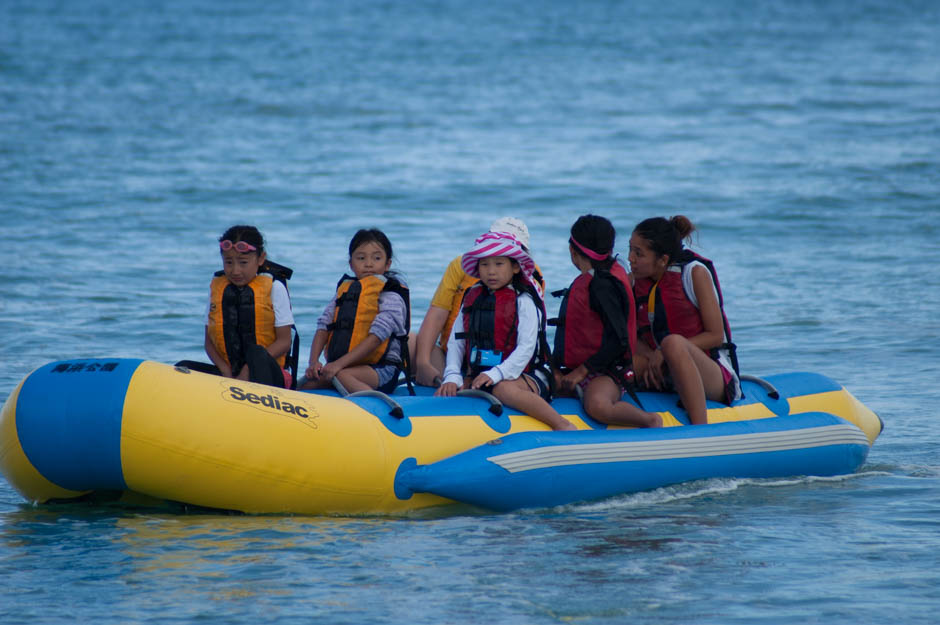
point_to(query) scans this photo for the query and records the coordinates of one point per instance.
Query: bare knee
(673, 346)
(597, 407)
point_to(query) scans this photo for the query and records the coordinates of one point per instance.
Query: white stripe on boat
(595, 453)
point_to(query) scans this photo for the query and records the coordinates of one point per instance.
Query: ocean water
(801, 137)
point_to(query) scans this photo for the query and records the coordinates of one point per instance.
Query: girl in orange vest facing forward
(596, 334)
(364, 329)
(686, 339)
(248, 318)
(497, 343)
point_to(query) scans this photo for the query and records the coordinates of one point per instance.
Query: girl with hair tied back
(596, 334)
(680, 312)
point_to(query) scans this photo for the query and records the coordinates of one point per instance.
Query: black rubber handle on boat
(772, 392)
(396, 409)
(340, 388)
(496, 406)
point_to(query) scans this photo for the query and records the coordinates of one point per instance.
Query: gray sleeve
(391, 318)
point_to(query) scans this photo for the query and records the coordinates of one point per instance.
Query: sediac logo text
(268, 401)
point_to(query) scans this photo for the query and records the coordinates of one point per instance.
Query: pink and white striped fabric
(497, 244)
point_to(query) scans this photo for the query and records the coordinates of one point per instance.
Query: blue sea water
(802, 138)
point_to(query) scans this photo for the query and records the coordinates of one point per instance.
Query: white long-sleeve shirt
(527, 336)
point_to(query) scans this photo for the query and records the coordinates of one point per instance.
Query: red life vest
(580, 328)
(489, 323)
(672, 309)
(457, 303)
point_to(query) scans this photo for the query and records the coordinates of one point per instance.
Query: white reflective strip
(596, 453)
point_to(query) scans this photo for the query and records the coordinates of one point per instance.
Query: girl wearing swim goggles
(233, 353)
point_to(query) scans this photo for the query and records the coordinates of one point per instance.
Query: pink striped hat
(497, 244)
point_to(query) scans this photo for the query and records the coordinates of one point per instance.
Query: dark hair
(248, 234)
(665, 236)
(598, 235)
(371, 235)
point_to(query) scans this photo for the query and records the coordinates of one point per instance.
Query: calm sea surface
(803, 138)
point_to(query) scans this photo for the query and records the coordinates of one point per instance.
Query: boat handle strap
(496, 406)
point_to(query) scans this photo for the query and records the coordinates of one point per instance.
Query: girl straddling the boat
(498, 344)
(248, 317)
(596, 334)
(364, 328)
(680, 311)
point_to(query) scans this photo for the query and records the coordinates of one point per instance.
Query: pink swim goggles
(241, 247)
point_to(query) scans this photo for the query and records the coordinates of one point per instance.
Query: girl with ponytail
(685, 341)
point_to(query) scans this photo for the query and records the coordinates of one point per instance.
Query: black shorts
(536, 379)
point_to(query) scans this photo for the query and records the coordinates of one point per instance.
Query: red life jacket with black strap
(457, 303)
(581, 328)
(665, 308)
(490, 320)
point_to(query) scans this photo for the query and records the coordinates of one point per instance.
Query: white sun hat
(512, 226)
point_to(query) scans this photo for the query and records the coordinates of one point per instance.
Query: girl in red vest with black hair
(498, 343)
(686, 339)
(596, 332)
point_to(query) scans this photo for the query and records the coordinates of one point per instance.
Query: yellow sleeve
(450, 282)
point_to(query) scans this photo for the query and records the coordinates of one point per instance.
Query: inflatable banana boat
(79, 427)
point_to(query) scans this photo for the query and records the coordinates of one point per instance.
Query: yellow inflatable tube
(73, 427)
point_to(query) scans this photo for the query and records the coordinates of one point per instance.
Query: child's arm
(714, 333)
(283, 320)
(435, 319)
(527, 336)
(389, 321)
(281, 344)
(452, 378)
(316, 348)
(350, 358)
(216, 357)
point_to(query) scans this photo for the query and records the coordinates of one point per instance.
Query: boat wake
(702, 489)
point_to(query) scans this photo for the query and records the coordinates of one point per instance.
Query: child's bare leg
(602, 401)
(316, 384)
(517, 394)
(693, 372)
(358, 378)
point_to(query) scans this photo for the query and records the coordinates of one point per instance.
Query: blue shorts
(388, 376)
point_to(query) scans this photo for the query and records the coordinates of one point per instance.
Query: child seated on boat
(364, 328)
(431, 342)
(498, 343)
(686, 344)
(596, 334)
(248, 317)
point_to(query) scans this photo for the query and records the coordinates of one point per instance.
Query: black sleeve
(609, 300)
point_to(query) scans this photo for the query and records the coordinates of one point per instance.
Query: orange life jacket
(357, 304)
(241, 317)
